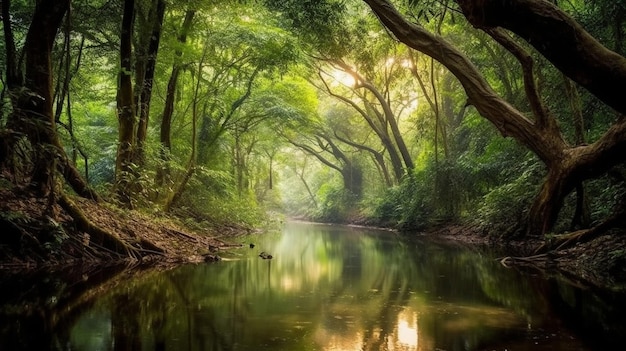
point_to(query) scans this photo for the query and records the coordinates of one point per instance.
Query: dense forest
(505, 116)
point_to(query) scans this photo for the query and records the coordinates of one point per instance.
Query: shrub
(504, 209)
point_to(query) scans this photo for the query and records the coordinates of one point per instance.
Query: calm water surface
(327, 288)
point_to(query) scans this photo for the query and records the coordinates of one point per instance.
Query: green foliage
(406, 206)
(246, 82)
(15, 217)
(334, 203)
(211, 196)
(318, 23)
(504, 209)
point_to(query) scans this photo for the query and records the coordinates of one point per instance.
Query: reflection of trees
(326, 287)
(36, 308)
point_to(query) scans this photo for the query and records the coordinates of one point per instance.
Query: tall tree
(168, 109)
(149, 29)
(33, 117)
(125, 108)
(29, 80)
(376, 109)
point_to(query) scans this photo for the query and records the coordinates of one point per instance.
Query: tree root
(75, 180)
(176, 232)
(106, 240)
(565, 241)
(149, 247)
(532, 260)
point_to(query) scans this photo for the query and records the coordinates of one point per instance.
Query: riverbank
(599, 263)
(37, 234)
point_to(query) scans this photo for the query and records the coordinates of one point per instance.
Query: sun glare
(407, 329)
(343, 78)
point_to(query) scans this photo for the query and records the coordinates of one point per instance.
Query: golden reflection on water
(405, 336)
(407, 332)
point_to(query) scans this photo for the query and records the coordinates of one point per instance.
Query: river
(326, 288)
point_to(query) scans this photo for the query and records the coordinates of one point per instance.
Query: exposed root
(149, 248)
(74, 179)
(98, 236)
(565, 241)
(176, 232)
(527, 261)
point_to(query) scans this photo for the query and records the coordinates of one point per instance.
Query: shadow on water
(327, 288)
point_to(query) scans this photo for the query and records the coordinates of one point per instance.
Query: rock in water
(211, 258)
(264, 255)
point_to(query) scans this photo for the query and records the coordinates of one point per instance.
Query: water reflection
(327, 288)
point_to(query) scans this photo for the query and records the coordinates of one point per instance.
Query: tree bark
(35, 102)
(560, 39)
(146, 82)
(125, 109)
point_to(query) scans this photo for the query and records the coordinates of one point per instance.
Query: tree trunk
(168, 110)
(547, 204)
(582, 215)
(12, 76)
(125, 109)
(172, 199)
(34, 104)
(395, 130)
(147, 81)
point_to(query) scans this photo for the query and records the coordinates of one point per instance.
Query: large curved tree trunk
(547, 204)
(562, 41)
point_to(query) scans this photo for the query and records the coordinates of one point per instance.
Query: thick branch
(317, 155)
(526, 61)
(608, 151)
(560, 39)
(505, 117)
